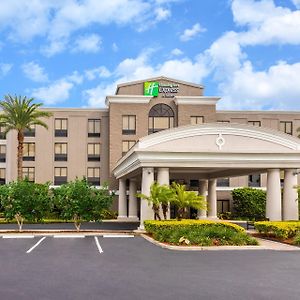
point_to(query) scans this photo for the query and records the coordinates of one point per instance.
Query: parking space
(132, 268)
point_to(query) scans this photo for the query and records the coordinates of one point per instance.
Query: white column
(122, 200)
(202, 213)
(132, 211)
(163, 177)
(273, 207)
(146, 210)
(290, 196)
(212, 199)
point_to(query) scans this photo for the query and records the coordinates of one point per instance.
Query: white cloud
(5, 69)
(176, 52)
(59, 90)
(100, 72)
(58, 20)
(88, 43)
(296, 3)
(115, 47)
(162, 13)
(275, 88)
(189, 34)
(267, 23)
(141, 67)
(34, 72)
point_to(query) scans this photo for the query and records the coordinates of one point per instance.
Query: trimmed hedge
(279, 229)
(198, 232)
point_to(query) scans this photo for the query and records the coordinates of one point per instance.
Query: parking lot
(132, 268)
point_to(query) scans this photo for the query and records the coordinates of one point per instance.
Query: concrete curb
(263, 245)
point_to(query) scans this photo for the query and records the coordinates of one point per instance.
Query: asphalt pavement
(132, 268)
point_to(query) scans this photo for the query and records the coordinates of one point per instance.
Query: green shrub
(78, 201)
(249, 203)
(280, 229)
(198, 232)
(23, 200)
(296, 240)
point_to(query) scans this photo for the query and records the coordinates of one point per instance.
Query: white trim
(196, 100)
(128, 99)
(220, 128)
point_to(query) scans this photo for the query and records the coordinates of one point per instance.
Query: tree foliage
(184, 199)
(24, 200)
(249, 203)
(20, 113)
(78, 201)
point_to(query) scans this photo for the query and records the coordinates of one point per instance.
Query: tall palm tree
(20, 113)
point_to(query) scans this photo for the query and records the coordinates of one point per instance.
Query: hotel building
(164, 129)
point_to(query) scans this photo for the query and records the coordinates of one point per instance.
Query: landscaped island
(198, 233)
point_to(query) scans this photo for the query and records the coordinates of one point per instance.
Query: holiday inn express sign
(154, 88)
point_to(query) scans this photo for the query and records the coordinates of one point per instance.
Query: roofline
(75, 109)
(258, 112)
(159, 78)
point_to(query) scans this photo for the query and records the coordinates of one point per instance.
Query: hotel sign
(154, 88)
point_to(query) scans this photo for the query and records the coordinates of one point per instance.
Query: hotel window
(93, 176)
(223, 206)
(194, 185)
(2, 176)
(161, 116)
(129, 124)
(29, 173)
(286, 127)
(197, 120)
(2, 132)
(60, 152)
(94, 152)
(60, 175)
(94, 128)
(28, 151)
(2, 153)
(126, 146)
(254, 123)
(223, 182)
(254, 180)
(61, 127)
(30, 132)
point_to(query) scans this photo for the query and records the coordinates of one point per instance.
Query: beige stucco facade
(189, 101)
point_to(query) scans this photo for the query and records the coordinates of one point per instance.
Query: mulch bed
(288, 241)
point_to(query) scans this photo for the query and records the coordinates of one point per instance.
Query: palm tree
(20, 113)
(159, 194)
(184, 199)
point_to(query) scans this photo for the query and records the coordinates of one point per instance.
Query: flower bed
(278, 229)
(198, 232)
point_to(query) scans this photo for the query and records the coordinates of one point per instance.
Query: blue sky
(68, 53)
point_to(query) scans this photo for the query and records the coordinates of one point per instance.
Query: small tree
(78, 201)
(249, 203)
(159, 195)
(184, 199)
(24, 200)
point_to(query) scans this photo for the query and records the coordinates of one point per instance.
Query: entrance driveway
(133, 268)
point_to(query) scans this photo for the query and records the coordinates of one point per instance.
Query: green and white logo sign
(151, 88)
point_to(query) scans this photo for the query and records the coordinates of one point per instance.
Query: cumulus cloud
(141, 67)
(34, 72)
(176, 52)
(57, 91)
(88, 43)
(5, 69)
(191, 33)
(100, 72)
(115, 47)
(296, 3)
(58, 20)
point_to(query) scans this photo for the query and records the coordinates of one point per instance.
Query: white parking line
(35, 245)
(98, 245)
(17, 236)
(69, 236)
(117, 236)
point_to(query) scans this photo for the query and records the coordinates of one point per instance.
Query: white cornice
(196, 100)
(128, 99)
